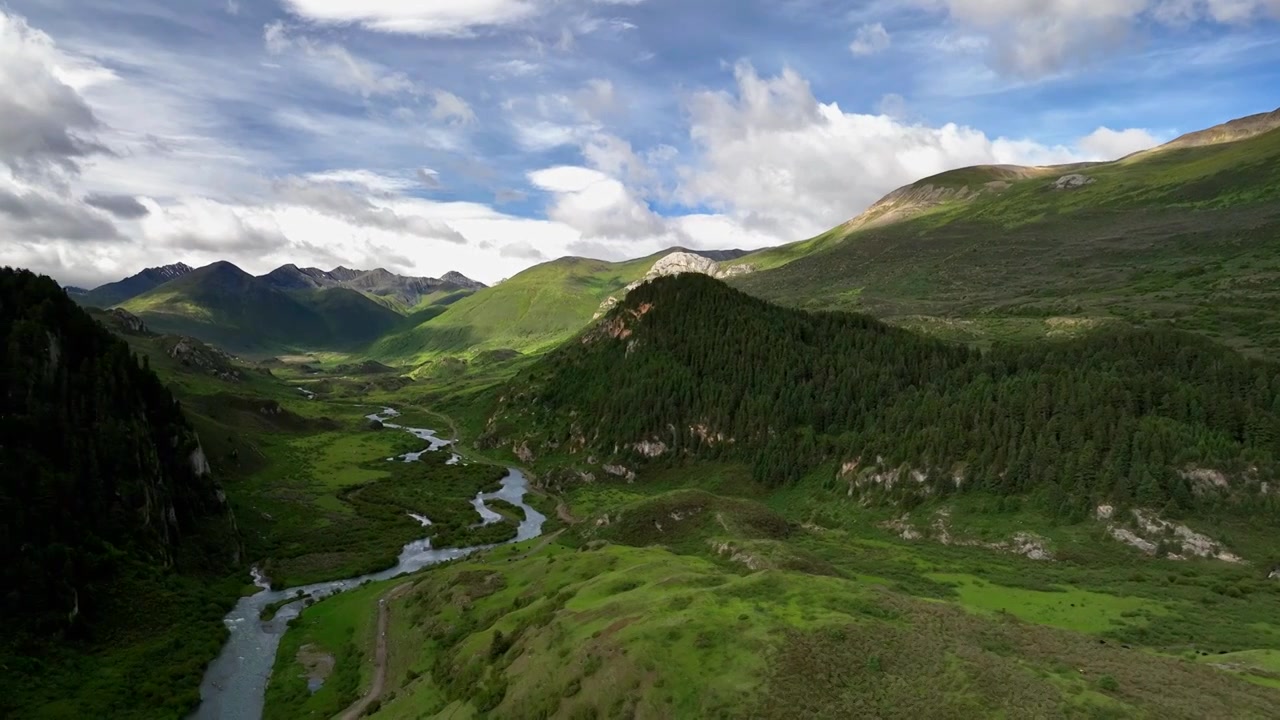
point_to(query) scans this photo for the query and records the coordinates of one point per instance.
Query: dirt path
(546, 540)
(562, 511)
(380, 655)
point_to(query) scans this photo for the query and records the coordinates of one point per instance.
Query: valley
(1005, 445)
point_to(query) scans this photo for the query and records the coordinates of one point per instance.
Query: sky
(485, 136)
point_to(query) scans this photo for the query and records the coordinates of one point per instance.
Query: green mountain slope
(113, 294)
(688, 367)
(227, 307)
(114, 536)
(531, 312)
(1186, 236)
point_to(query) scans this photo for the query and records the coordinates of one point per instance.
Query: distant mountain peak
(379, 281)
(132, 286)
(458, 278)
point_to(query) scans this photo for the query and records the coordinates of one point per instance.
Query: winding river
(234, 685)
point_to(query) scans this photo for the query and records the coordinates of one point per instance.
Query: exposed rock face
(620, 471)
(678, 263)
(650, 448)
(128, 321)
(200, 463)
(194, 353)
(1149, 530)
(1073, 182)
(1205, 479)
(737, 555)
(523, 452)
(1028, 545)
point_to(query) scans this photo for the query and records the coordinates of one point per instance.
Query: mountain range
(1180, 235)
(289, 308)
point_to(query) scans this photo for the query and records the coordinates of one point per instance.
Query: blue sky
(488, 135)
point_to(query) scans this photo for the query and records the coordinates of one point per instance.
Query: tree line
(1125, 415)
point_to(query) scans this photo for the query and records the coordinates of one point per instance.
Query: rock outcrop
(1073, 182)
(677, 263)
(1153, 535)
(1026, 544)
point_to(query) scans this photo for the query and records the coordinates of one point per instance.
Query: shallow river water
(235, 683)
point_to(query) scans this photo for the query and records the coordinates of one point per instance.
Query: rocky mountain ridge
(105, 296)
(408, 291)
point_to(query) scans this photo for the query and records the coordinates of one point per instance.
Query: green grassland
(531, 312)
(697, 592)
(342, 626)
(1185, 237)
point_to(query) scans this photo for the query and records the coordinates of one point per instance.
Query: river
(234, 685)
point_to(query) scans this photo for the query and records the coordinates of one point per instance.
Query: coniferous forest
(1148, 417)
(102, 475)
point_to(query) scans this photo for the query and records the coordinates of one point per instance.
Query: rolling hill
(531, 312)
(223, 305)
(1185, 235)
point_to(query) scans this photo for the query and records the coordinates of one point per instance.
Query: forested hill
(100, 473)
(687, 365)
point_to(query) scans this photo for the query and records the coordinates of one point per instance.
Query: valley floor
(694, 592)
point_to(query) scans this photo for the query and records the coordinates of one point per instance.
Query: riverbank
(235, 684)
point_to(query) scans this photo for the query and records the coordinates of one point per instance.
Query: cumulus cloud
(36, 214)
(870, 39)
(45, 125)
(217, 229)
(125, 207)
(521, 250)
(1037, 37)
(596, 205)
(775, 159)
(1107, 144)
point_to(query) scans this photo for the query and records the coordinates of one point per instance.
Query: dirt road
(380, 655)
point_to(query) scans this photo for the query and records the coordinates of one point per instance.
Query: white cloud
(522, 250)
(870, 39)
(1038, 37)
(1107, 144)
(336, 65)
(45, 124)
(774, 158)
(596, 205)
(451, 109)
(419, 17)
(366, 179)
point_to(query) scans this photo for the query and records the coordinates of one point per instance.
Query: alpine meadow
(580, 360)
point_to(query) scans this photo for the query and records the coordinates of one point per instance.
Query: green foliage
(531, 312)
(226, 306)
(114, 537)
(806, 648)
(710, 372)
